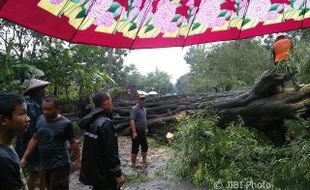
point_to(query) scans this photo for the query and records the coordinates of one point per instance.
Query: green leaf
(195, 26)
(81, 14)
(176, 17)
(223, 13)
(124, 19)
(114, 7)
(290, 9)
(130, 3)
(30, 69)
(274, 7)
(149, 28)
(303, 11)
(115, 15)
(132, 27)
(245, 21)
(149, 19)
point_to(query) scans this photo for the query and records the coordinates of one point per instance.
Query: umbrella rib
(63, 8)
(189, 30)
(2, 4)
(303, 16)
(243, 17)
(143, 19)
(77, 30)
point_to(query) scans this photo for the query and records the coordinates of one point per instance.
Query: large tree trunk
(265, 106)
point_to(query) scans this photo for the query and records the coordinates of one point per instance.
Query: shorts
(33, 166)
(139, 140)
(57, 178)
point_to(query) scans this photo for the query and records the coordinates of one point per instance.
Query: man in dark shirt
(36, 91)
(139, 129)
(13, 121)
(51, 135)
(100, 160)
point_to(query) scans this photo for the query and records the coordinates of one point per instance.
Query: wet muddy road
(142, 178)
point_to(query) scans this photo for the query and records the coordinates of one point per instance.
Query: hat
(34, 84)
(141, 96)
(280, 35)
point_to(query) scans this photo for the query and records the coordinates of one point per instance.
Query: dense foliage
(237, 64)
(73, 70)
(208, 155)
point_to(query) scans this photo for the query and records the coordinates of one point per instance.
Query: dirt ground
(141, 178)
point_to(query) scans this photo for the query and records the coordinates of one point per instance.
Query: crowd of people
(44, 137)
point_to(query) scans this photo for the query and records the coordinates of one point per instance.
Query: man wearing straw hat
(36, 92)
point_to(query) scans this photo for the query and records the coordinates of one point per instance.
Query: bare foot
(145, 164)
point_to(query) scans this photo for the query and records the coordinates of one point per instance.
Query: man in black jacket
(100, 165)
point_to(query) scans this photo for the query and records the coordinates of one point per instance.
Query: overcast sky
(170, 60)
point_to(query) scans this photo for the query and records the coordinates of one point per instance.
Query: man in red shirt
(281, 51)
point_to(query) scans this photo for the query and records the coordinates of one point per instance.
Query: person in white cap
(281, 51)
(139, 129)
(36, 92)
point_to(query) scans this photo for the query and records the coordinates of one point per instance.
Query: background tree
(158, 81)
(226, 66)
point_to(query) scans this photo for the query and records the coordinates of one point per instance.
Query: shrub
(205, 154)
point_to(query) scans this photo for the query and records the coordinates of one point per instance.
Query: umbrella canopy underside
(137, 24)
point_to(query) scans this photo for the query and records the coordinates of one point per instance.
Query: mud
(141, 178)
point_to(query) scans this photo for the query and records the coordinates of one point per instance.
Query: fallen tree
(264, 106)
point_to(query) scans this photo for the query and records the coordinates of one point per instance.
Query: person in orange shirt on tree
(281, 52)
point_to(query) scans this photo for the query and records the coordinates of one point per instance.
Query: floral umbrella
(138, 24)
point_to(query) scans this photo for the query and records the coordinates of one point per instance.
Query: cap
(141, 96)
(34, 84)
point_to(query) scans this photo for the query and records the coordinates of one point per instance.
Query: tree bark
(264, 106)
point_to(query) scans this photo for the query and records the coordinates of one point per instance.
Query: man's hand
(23, 162)
(120, 181)
(146, 131)
(134, 135)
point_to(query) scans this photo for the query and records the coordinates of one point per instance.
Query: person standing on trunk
(282, 49)
(139, 129)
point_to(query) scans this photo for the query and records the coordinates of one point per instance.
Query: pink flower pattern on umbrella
(190, 3)
(56, 2)
(133, 13)
(105, 19)
(298, 4)
(163, 17)
(145, 13)
(242, 7)
(98, 9)
(137, 3)
(259, 10)
(209, 12)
